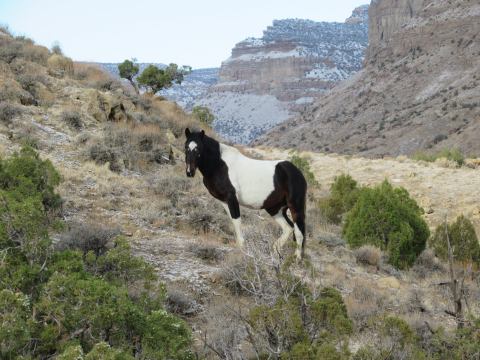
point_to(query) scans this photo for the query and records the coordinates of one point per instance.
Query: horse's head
(193, 150)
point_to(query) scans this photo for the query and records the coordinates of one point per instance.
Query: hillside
(121, 160)
(419, 89)
(287, 68)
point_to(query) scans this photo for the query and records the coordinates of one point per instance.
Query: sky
(199, 33)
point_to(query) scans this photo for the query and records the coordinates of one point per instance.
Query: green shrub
(304, 325)
(454, 155)
(14, 329)
(344, 194)
(28, 204)
(390, 220)
(396, 341)
(203, 114)
(104, 305)
(304, 166)
(463, 241)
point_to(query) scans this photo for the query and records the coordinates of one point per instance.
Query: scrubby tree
(303, 326)
(290, 319)
(203, 114)
(128, 70)
(303, 164)
(56, 48)
(343, 195)
(457, 242)
(463, 241)
(390, 219)
(155, 79)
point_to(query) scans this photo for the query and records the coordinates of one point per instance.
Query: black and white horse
(235, 179)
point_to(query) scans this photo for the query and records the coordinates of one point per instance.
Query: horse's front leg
(233, 210)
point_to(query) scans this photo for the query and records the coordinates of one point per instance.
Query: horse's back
(252, 179)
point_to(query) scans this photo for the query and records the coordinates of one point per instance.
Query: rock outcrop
(294, 61)
(419, 90)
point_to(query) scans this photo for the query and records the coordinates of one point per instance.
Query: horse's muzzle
(190, 172)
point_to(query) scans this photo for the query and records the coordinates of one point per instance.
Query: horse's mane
(210, 159)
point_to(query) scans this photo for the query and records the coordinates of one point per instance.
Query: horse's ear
(187, 132)
(202, 134)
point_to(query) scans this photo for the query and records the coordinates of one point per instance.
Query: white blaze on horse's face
(192, 146)
(192, 153)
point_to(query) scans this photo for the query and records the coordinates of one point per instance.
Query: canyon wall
(288, 67)
(419, 90)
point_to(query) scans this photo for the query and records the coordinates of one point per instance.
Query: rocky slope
(294, 61)
(419, 89)
(195, 86)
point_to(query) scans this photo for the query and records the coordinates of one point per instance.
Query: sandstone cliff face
(296, 58)
(420, 88)
(294, 61)
(387, 18)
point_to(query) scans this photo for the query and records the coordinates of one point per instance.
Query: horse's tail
(296, 200)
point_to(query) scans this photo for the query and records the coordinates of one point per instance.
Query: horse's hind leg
(287, 229)
(298, 231)
(233, 210)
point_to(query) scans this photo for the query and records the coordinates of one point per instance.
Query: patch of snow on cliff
(261, 55)
(326, 73)
(253, 42)
(304, 100)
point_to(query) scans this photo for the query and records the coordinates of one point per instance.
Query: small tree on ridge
(128, 70)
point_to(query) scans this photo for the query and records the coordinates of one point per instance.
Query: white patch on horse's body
(252, 179)
(192, 145)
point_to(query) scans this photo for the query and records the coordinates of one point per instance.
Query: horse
(235, 179)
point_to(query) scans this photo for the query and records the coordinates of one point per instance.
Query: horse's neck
(210, 160)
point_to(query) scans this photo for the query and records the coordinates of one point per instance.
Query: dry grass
(131, 146)
(364, 303)
(207, 252)
(88, 237)
(72, 118)
(427, 264)
(181, 303)
(368, 255)
(8, 112)
(94, 77)
(174, 118)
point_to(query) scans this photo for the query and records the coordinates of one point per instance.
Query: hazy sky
(198, 33)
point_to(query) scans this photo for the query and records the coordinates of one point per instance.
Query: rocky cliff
(420, 88)
(289, 66)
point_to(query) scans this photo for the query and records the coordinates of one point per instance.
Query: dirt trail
(439, 190)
